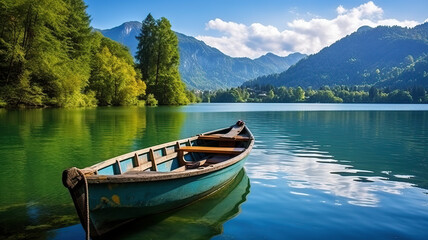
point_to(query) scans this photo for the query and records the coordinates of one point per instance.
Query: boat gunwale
(125, 156)
(149, 176)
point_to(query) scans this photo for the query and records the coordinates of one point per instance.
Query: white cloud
(341, 10)
(240, 40)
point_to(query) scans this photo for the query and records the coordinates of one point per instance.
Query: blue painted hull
(112, 204)
(156, 179)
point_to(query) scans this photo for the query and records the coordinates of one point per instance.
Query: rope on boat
(86, 203)
(72, 178)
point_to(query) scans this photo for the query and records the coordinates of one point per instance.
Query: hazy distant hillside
(383, 56)
(204, 67)
(125, 34)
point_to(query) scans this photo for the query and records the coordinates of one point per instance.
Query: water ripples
(306, 166)
(316, 171)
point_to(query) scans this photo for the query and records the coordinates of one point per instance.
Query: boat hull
(156, 179)
(112, 204)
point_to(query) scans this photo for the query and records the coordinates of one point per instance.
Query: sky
(252, 28)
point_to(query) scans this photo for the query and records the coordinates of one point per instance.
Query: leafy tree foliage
(151, 100)
(398, 96)
(113, 77)
(325, 94)
(49, 56)
(158, 59)
(193, 96)
(44, 52)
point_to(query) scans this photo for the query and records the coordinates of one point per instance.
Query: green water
(317, 170)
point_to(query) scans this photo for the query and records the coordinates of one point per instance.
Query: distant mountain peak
(135, 23)
(273, 55)
(270, 54)
(364, 28)
(129, 26)
(204, 67)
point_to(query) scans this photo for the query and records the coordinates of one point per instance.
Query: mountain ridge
(204, 67)
(369, 56)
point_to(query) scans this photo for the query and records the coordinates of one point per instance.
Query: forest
(51, 57)
(336, 94)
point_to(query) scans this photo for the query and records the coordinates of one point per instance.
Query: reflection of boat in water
(157, 179)
(202, 219)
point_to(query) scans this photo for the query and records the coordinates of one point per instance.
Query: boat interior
(190, 154)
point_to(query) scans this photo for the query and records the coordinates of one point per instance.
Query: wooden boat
(156, 179)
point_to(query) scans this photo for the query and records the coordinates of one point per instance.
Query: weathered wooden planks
(234, 131)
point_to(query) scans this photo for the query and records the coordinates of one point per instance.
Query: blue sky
(250, 28)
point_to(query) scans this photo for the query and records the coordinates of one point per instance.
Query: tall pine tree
(146, 48)
(158, 59)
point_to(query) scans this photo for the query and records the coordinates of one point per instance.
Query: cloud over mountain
(305, 36)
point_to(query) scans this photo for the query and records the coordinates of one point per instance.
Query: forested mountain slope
(383, 56)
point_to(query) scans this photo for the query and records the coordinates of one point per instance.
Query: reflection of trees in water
(163, 125)
(202, 219)
(41, 143)
(37, 145)
(113, 131)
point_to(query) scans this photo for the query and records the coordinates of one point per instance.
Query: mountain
(204, 67)
(124, 34)
(274, 63)
(383, 56)
(415, 74)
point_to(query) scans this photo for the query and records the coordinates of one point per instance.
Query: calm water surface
(329, 171)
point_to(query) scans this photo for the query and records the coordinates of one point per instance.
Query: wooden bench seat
(215, 150)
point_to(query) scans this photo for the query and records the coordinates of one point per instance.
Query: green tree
(399, 96)
(325, 96)
(158, 57)
(299, 94)
(44, 45)
(373, 94)
(193, 97)
(271, 94)
(418, 94)
(151, 100)
(146, 48)
(224, 96)
(113, 77)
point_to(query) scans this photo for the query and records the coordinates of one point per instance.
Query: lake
(325, 171)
